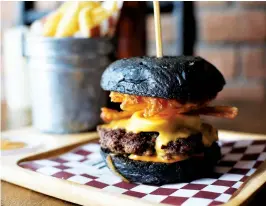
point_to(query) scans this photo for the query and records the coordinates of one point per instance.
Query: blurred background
(231, 35)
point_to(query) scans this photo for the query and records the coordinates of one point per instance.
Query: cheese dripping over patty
(169, 128)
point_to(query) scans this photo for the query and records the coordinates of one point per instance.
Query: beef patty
(119, 141)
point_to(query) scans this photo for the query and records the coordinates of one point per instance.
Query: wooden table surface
(251, 118)
(13, 195)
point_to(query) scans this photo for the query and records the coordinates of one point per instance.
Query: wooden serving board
(45, 146)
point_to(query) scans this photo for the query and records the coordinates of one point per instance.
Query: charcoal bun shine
(184, 78)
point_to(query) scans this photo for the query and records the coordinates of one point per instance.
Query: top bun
(184, 78)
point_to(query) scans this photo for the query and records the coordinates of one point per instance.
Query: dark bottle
(131, 30)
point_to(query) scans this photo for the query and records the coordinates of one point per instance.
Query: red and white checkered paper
(84, 165)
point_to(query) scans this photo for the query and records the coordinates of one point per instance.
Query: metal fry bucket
(65, 82)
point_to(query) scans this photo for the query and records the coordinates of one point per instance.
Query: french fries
(63, 8)
(111, 6)
(99, 14)
(69, 22)
(51, 24)
(78, 17)
(85, 21)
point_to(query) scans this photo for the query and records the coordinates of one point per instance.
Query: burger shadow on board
(158, 137)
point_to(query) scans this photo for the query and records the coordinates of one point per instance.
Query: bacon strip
(108, 115)
(217, 111)
(163, 107)
(150, 105)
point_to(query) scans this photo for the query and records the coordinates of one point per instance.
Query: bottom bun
(157, 173)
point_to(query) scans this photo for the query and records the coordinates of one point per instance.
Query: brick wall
(169, 35)
(232, 35)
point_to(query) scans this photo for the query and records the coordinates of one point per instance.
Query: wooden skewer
(158, 30)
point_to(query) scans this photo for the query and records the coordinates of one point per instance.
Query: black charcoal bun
(163, 173)
(184, 78)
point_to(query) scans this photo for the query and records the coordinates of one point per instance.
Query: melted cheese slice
(169, 129)
(157, 158)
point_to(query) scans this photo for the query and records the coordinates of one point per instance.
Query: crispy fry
(114, 6)
(217, 111)
(99, 14)
(51, 23)
(65, 6)
(111, 6)
(108, 115)
(91, 16)
(83, 4)
(85, 21)
(91, 4)
(68, 25)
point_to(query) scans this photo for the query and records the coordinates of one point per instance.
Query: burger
(158, 136)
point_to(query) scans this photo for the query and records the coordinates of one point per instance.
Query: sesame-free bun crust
(184, 78)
